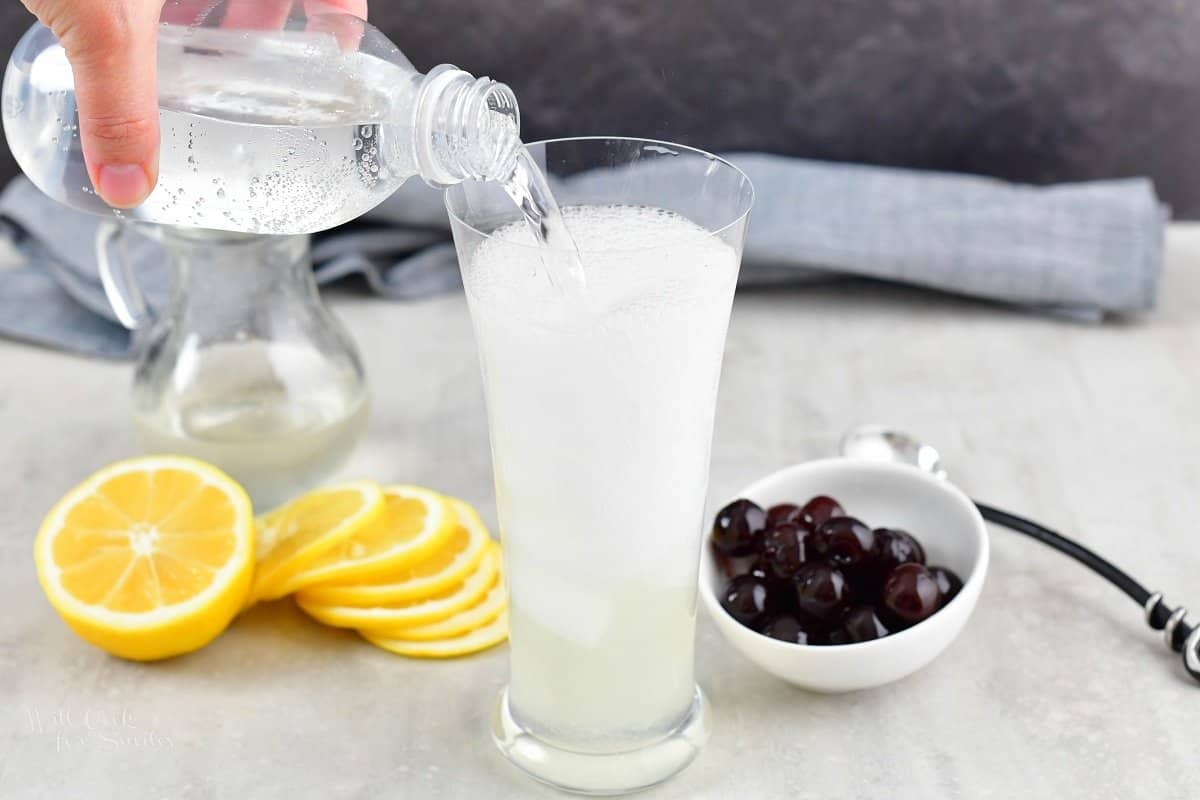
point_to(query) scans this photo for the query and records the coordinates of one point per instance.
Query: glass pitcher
(244, 368)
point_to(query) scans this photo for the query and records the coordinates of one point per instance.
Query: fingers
(187, 12)
(262, 15)
(328, 16)
(113, 54)
(356, 7)
(347, 29)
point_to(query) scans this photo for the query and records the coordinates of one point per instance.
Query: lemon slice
(416, 523)
(150, 557)
(493, 604)
(457, 558)
(417, 612)
(472, 641)
(292, 537)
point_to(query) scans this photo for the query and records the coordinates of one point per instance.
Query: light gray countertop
(1055, 689)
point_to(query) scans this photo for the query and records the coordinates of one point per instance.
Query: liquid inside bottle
(250, 143)
(281, 131)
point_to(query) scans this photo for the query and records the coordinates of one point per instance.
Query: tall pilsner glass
(600, 401)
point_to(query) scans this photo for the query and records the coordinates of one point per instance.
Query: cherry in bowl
(838, 655)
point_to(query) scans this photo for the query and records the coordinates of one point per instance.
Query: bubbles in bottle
(288, 176)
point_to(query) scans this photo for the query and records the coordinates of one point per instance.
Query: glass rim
(737, 219)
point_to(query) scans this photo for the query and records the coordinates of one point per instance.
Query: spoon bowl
(880, 443)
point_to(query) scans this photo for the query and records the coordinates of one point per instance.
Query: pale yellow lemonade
(600, 524)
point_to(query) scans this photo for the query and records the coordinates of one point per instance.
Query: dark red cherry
(787, 512)
(821, 591)
(892, 548)
(862, 624)
(738, 527)
(732, 566)
(754, 566)
(949, 584)
(822, 508)
(725, 564)
(745, 598)
(784, 548)
(845, 542)
(788, 628)
(910, 594)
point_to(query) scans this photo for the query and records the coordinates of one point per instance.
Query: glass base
(601, 773)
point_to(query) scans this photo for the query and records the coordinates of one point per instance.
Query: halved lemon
(417, 612)
(415, 524)
(457, 558)
(492, 605)
(150, 557)
(472, 641)
(294, 536)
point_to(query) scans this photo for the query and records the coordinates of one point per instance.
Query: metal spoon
(880, 443)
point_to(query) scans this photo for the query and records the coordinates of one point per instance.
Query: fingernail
(123, 185)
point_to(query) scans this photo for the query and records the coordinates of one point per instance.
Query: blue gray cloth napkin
(1083, 250)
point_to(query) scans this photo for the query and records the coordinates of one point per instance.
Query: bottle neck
(464, 128)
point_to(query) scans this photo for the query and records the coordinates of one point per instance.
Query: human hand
(112, 47)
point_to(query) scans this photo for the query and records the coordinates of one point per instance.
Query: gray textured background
(1031, 90)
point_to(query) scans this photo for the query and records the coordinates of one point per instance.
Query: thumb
(113, 53)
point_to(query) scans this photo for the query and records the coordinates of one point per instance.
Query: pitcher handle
(118, 278)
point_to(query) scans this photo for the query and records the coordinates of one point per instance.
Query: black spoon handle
(1180, 636)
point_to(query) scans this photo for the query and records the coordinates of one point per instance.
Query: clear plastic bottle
(283, 131)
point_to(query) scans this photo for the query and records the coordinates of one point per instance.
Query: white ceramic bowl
(883, 495)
